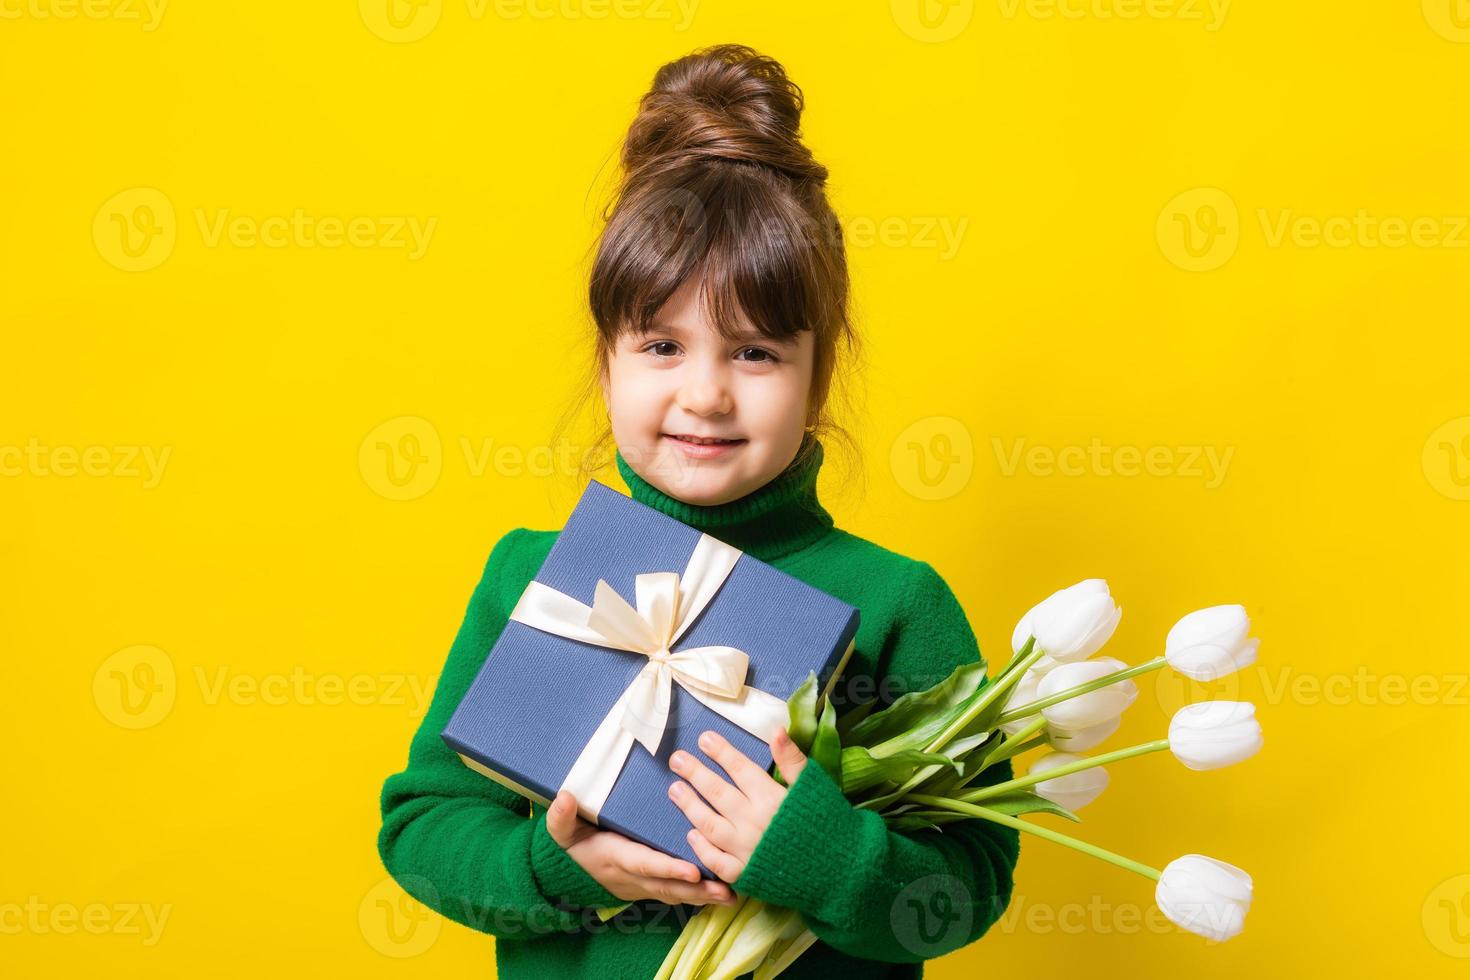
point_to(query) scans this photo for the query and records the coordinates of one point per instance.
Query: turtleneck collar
(779, 518)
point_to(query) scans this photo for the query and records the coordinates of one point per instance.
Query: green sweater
(880, 902)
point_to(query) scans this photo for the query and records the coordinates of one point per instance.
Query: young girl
(719, 292)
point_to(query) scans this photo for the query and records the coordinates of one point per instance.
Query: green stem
(1014, 671)
(1021, 782)
(1021, 711)
(1016, 744)
(1013, 746)
(1029, 655)
(1004, 681)
(995, 816)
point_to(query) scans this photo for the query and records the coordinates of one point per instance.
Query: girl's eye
(667, 348)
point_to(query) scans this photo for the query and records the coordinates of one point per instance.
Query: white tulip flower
(1071, 624)
(1092, 708)
(1210, 643)
(1205, 896)
(1082, 739)
(1215, 734)
(1074, 790)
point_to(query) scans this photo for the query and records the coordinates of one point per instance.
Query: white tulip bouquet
(913, 762)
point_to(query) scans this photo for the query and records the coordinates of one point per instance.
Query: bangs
(735, 228)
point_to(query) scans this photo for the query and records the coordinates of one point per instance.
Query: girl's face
(683, 379)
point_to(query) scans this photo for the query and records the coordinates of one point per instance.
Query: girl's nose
(705, 396)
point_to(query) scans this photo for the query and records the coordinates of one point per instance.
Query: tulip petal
(1207, 897)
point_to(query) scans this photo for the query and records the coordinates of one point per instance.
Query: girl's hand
(729, 820)
(628, 869)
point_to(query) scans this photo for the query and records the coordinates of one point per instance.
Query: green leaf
(913, 821)
(845, 723)
(827, 745)
(862, 769)
(971, 754)
(985, 721)
(1019, 801)
(923, 818)
(930, 708)
(802, 711)
(612, 910)
(1016, 658)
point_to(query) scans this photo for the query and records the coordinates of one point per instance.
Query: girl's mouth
(702, 448)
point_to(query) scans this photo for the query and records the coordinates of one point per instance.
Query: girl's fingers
(561, 818)
(642, 861)
(714, 826)
(750, 778)
(721, 795)
(790, 760)
(722, 863)
(684, 892)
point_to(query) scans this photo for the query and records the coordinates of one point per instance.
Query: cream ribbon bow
(668, 603)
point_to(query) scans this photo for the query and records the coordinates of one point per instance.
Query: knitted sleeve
(460, 842)
(869, 891)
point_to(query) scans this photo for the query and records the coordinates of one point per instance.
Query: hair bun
(725, 102)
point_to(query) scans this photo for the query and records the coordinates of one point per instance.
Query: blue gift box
(539, 697)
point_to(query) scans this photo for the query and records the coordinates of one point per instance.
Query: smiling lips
(702, 447)
(702, 440)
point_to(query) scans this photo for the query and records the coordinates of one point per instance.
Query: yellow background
(287, 604)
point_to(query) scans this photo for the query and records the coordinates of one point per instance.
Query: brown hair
(715, 182)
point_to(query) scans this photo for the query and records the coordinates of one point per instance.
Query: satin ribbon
(668, 603)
